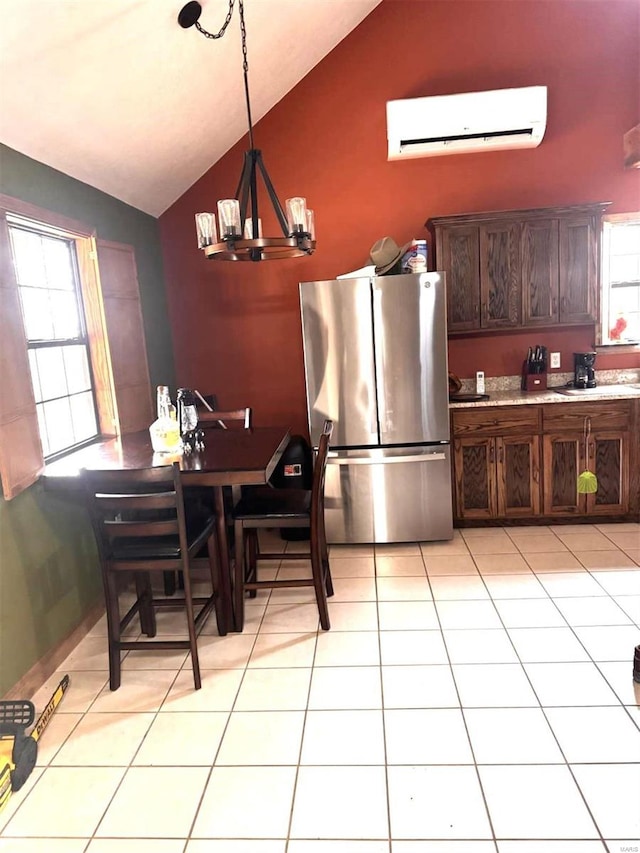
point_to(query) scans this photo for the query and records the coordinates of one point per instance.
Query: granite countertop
(523, 398)
(505, 390)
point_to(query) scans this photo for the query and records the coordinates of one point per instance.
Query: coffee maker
(584, 376)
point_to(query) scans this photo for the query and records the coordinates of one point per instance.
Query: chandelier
(239, 237)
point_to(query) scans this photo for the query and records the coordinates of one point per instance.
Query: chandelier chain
(222, 29)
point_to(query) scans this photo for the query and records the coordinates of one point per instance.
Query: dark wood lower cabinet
(563, 456)
(518, 469)
(609, 459)
(475, 477)
(497, 477)
(523, 462)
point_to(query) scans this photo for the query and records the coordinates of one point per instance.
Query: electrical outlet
(480, 382)
(554, 360)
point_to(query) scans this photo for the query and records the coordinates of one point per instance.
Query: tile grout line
(382, 709)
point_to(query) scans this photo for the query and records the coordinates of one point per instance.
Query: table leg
(224, 562)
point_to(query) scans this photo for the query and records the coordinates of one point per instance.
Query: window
(621, 279)
(48, 283)
(73, 361)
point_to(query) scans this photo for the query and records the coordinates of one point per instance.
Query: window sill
(617, 349)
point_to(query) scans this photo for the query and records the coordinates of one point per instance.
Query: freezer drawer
(389, 495)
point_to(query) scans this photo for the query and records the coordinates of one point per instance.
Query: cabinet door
(458, 256)
(500, 289)
(518, 475)
(475, 480)
(609, 459)
(540, 272)
(563, 457)
(578, 270)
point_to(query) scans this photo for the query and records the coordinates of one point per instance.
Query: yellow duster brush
(587, 480)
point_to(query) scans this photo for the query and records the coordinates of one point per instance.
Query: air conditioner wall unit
(467, 122)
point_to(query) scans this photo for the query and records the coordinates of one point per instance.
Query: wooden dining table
(230, 457)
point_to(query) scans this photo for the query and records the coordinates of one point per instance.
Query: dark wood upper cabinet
(520, 268)
(540, 264)
(500, 275)
(578, 287)
(459, 249)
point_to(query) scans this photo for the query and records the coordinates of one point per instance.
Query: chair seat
(276, 504)
(162, 547)
(266, 508)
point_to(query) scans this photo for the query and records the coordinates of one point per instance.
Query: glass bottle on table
(165, 434)
(187, 418)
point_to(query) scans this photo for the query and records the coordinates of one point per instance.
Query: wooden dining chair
(263, 508)
(140, 526)
(219, 419)
(198, 496)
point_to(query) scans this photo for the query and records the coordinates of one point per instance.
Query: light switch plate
(554, 360)
(480, 382)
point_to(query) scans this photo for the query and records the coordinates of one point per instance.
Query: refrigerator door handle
(334, 459)
(377, 357)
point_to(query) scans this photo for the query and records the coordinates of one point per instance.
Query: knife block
(533, 381)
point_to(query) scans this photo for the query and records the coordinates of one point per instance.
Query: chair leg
(169, 583)
(193, 645)
(253, 551)
(113, 623)
(317, 569)
(145, 604)
(221, 588)
(325, 559)
(239, 576)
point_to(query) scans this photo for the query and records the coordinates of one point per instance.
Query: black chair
(264, 508)
(140, 526)
(218, 419)
(199, 498)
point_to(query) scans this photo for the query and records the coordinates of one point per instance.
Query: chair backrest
(319, 470)
(136, 505)
(218, 419)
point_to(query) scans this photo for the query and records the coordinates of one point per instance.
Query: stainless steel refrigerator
(375, 352)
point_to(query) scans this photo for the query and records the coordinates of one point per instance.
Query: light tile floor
(472, 696)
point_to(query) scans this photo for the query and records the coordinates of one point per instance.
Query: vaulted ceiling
(116, 94)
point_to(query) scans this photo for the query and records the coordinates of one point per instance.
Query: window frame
(22, 223)
(605, 343)
(118, 353)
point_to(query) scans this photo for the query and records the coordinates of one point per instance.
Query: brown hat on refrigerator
(385, 253)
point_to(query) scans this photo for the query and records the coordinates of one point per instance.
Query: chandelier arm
(242, 191)
(253, 192)
(275, 201)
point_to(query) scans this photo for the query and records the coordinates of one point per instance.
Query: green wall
(49, 576)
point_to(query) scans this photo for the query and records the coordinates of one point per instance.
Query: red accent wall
(236, 327)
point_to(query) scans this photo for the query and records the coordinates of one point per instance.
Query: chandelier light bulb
(206, 229)
(229, 216)
(248, 228)
(311, 224)
(296, 214)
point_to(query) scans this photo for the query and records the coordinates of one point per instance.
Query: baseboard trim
(33, 680)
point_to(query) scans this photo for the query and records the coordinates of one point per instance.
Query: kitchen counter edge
(525, 398)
